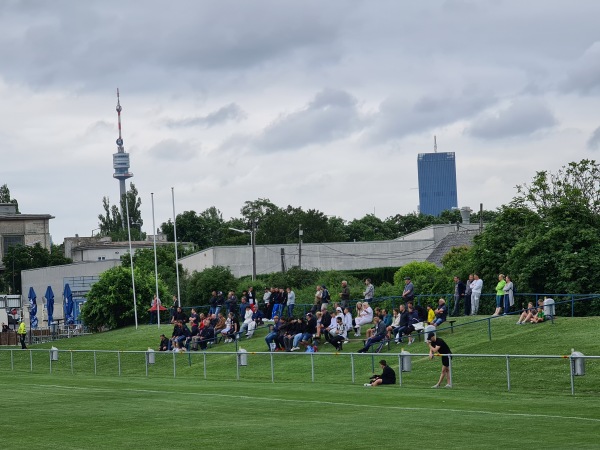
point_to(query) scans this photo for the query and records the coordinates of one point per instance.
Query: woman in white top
(365, 317)
(509, 299)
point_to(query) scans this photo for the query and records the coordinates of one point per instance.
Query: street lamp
(95, 229)
(252, 233)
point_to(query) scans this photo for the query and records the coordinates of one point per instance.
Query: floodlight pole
(176, 257)
(131, 262)
(155, 263)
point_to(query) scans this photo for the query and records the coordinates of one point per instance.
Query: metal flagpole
(155, 263)
(176, 257)
(131, 261)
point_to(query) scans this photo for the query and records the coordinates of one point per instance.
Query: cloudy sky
(318, 104)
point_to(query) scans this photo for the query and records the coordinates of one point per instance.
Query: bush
(201, 284)
(110, 301)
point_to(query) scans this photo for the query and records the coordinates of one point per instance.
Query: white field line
(325, 403)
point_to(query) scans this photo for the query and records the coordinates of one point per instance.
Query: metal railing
(150, 363)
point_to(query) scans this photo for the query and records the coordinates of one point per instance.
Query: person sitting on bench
(440, 313)
(379, 335)
(339, 337)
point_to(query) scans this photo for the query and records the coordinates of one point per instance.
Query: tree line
(547, 238)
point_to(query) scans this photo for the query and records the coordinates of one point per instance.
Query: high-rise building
(437, 182)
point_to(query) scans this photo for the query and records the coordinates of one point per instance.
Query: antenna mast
(434, 141)
(121, 160)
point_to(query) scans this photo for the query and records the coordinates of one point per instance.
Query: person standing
(468, 295)
(276, 302)
(476, 288)
(220, 303)
(22, 332)
(459, 293)
(267, 302)
(153, 310)
(369, 292)
(409, 290)
(439, 346)
(345, 295)
(251, 296)
(291, 302)
(173, 309)
(499, 294)
(509, 299)
(213, 303)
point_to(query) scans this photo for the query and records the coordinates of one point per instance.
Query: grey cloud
(521, 117)
(224, 114)
(81, 45)
(584, 76)
(173, 150)
(331, 115)
(398, 118)
(594, 141)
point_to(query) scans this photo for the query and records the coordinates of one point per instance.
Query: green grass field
(207, 406)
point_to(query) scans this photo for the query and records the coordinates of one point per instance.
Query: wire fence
(476, 371)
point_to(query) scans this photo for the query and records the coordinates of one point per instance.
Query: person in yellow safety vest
(22, 332)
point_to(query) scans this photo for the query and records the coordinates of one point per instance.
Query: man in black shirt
(388, 376)
(438, 345)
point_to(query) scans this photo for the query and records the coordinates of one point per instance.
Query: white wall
(54, 276)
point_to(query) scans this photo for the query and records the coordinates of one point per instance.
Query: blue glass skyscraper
(437, 182)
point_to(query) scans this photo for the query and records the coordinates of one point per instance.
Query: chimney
(465, 214)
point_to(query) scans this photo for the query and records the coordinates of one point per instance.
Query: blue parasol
(33, 320)
(50, 304)
(68, 305)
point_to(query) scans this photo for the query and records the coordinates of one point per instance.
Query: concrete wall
(33, 228)
(331, 256)
(54, 276)
(416, 246)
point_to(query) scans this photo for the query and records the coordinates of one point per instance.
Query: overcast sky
(318, 104)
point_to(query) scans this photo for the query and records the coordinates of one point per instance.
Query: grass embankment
(484, 374)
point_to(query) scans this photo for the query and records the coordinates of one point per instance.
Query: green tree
(458, 262)
(547, 239)
(143, 260)
(5, 196)
(409, 223)
(201, 284)
(578, 183)
(112, 224)
(426, 277)
(206, 229)
(24, 257)
(370, 228)
(256, 210)
(110, 300)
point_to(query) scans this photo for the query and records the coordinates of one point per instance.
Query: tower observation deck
(121, 158)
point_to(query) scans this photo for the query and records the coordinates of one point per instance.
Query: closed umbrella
(50, 304)
(68, 305)
(33, 320)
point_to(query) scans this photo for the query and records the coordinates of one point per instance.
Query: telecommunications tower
(121, 158)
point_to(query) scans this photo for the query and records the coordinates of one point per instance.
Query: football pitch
(58, 411)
